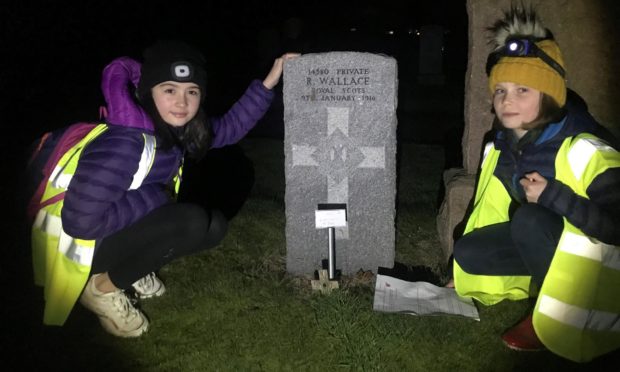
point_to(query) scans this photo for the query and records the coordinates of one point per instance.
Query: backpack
(45, 154)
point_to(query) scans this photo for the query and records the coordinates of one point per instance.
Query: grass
(235, 308)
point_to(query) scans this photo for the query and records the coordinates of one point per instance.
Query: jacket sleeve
(598, 216)
(98, 201)
(242, 116)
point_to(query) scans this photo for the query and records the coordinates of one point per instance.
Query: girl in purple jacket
(137, 226)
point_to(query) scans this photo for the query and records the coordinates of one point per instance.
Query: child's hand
(273, 77)
(533, 185)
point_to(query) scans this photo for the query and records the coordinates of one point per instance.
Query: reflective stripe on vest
(146, 161)
(487, 148)
(61, 262)
(61, 180)
(581, 152)
(580, 245)
(178, 178)
(76, 250)
(577, 314)
(79, 250)
(491, 205)
(578, 317)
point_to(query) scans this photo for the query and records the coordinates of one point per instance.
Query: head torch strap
(494, 58)
(548, 60)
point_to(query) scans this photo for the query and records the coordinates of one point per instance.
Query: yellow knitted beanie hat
(529, 69)
(533, 72)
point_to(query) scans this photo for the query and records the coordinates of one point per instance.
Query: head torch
(522, 48)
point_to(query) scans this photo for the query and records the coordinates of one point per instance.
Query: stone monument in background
(431, 55)
(340, 147)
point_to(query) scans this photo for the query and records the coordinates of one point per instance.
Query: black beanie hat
(171, 61)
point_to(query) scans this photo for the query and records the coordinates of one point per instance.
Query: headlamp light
(522, 48)
(519, 47)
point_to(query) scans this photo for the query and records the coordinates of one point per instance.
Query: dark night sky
(55, 50)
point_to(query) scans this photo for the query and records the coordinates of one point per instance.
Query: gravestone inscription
(340, 147)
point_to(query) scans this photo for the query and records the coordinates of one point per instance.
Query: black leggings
(168, 232)
(523, 246)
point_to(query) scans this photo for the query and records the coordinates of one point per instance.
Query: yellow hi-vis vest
(577, 313)
(61, 262)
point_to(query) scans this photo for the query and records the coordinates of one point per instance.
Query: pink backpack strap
(103, 112)
(72, 135)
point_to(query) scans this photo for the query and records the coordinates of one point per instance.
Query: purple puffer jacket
(98, 201)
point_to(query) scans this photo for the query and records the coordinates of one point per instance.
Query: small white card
(330, 218)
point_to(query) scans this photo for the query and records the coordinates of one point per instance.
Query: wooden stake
(323, 284)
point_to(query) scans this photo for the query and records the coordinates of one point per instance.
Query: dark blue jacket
(598, 216)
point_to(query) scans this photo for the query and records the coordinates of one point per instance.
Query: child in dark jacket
(118, 222)
(547, 203)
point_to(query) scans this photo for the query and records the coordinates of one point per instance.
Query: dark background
(52, 54)
(54, 51)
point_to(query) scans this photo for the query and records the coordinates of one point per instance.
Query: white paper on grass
(420, 298)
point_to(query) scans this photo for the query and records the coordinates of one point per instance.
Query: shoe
(149, 286)
(522, 337)
(116, 313)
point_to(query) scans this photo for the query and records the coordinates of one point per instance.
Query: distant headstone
(431, 55)
(340, 147)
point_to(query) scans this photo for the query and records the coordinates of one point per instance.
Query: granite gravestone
(340, 147)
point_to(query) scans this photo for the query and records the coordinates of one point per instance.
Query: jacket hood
(118, 84)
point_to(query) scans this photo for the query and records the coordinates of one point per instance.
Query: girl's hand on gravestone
(273, 77)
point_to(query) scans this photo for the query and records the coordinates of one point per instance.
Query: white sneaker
(116, 313)
(149, 286)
